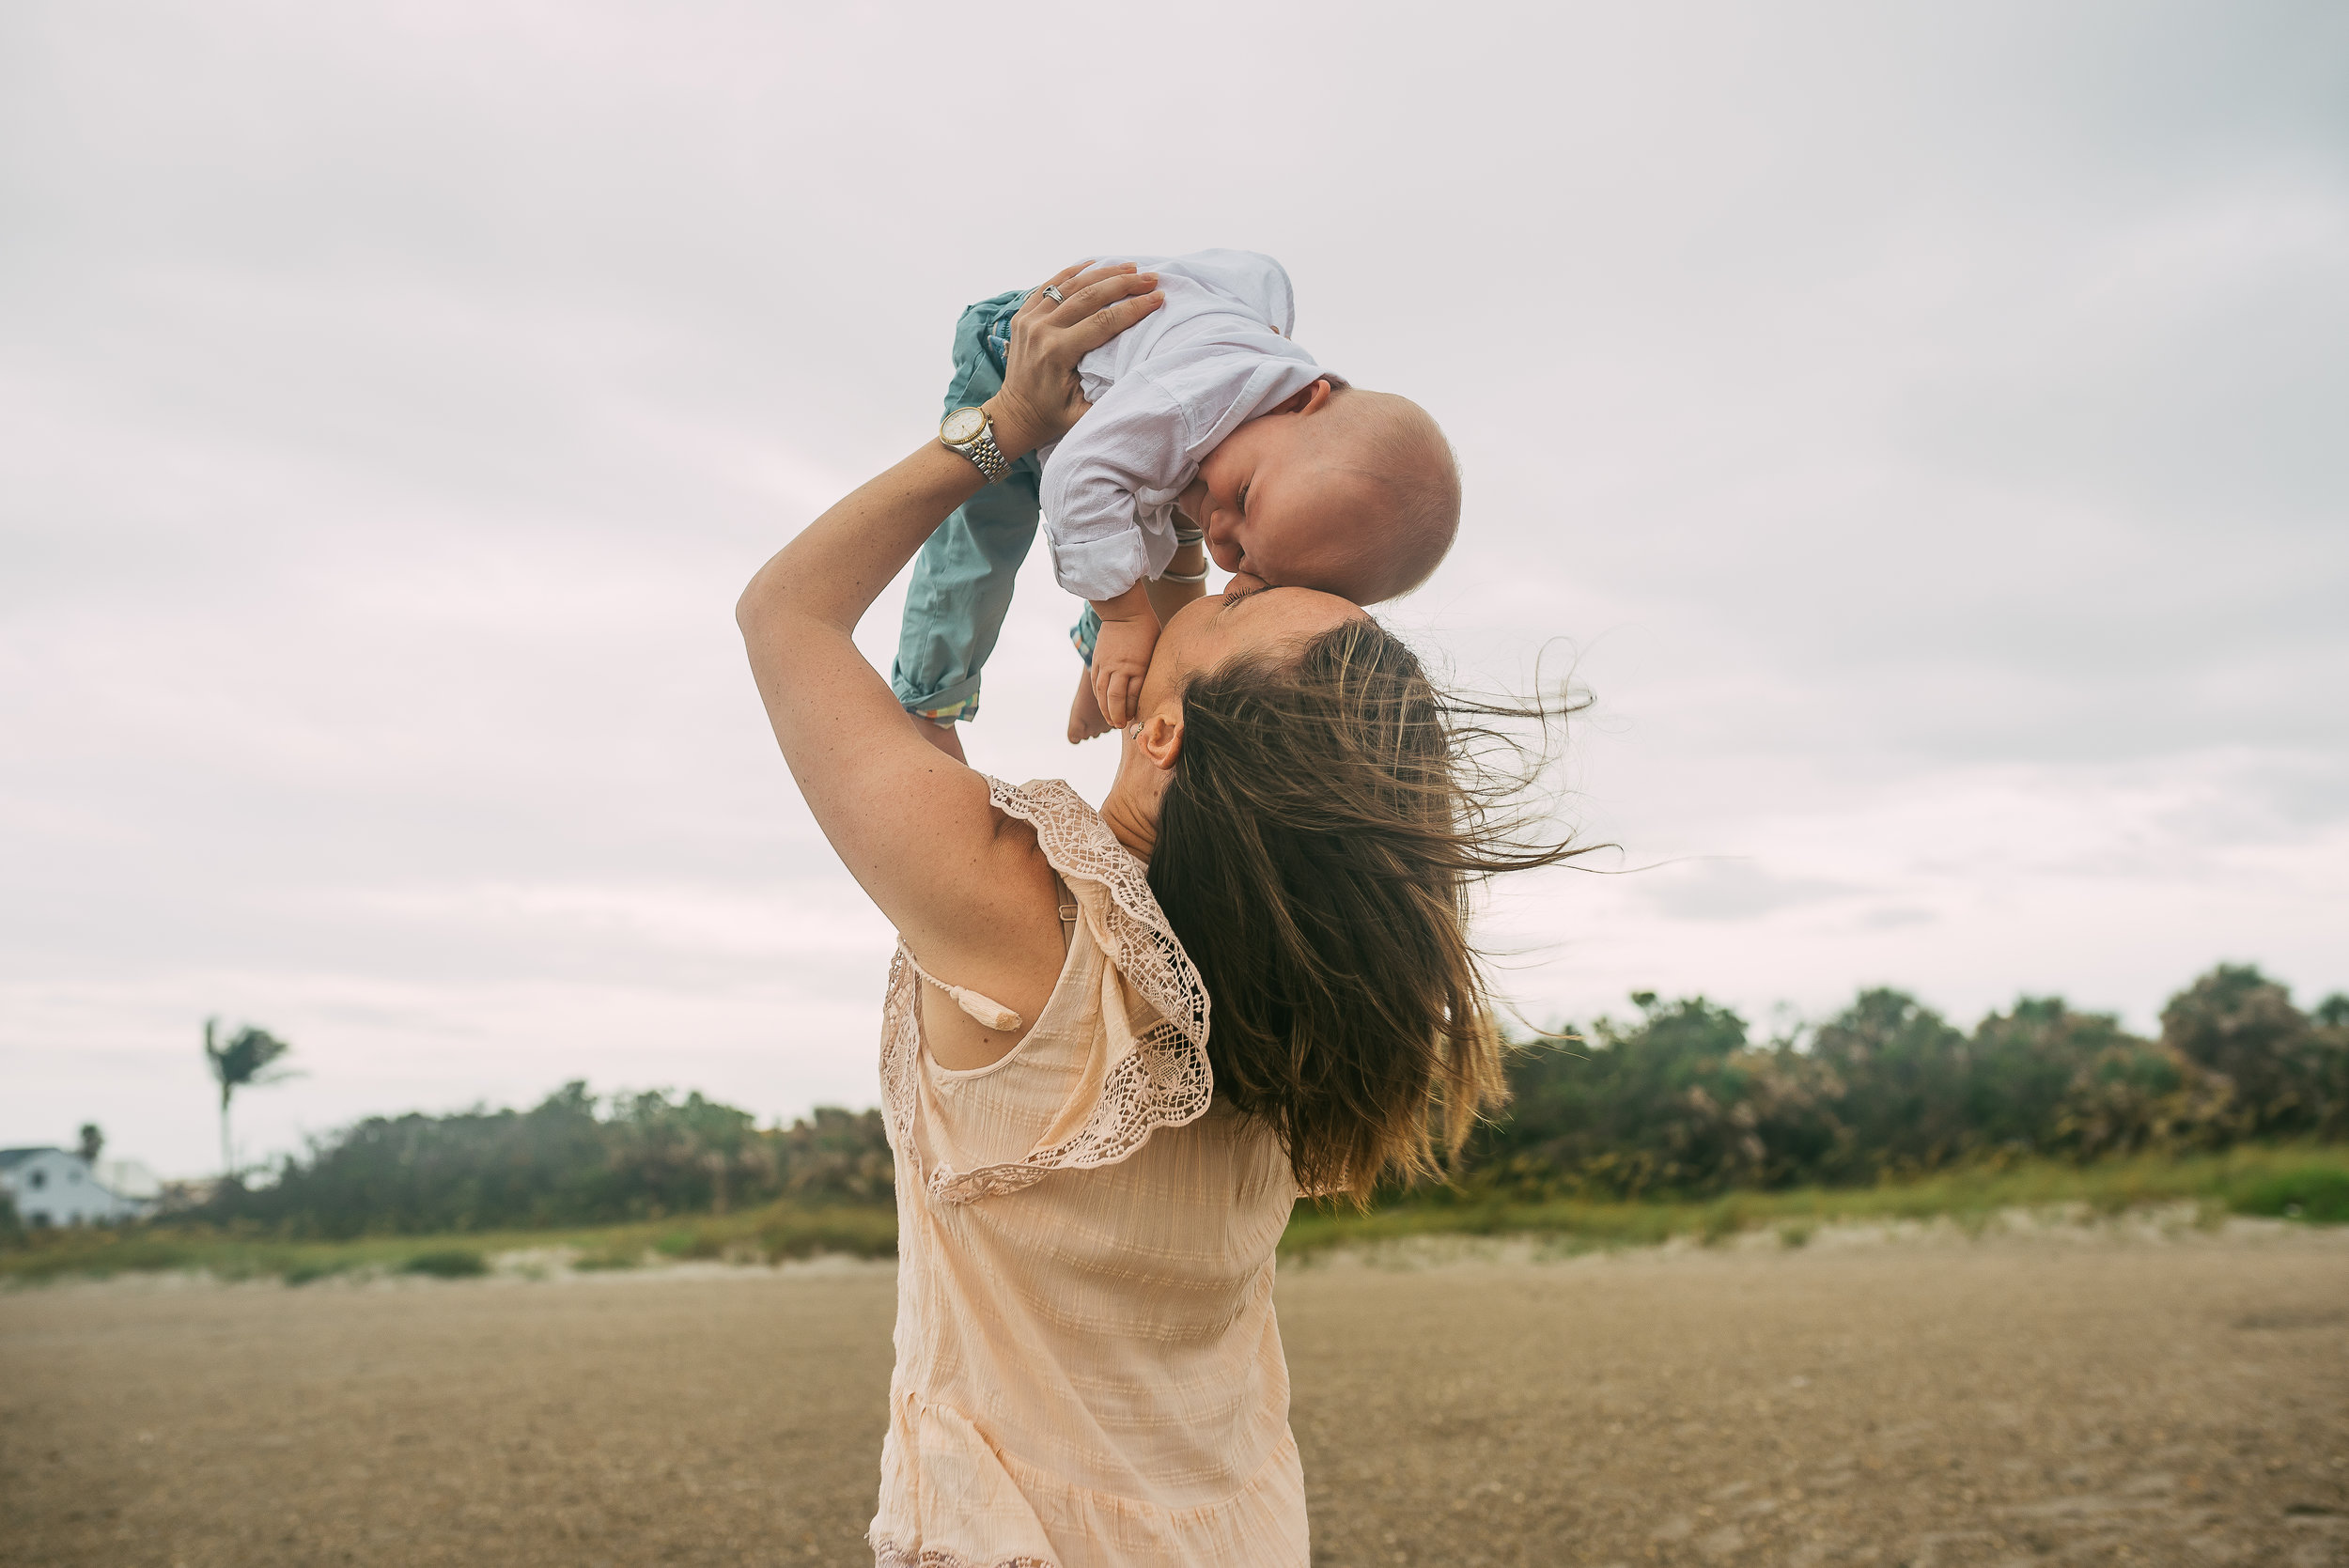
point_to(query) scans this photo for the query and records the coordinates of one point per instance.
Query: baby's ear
(1314, 397)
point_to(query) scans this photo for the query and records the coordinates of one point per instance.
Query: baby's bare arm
(1121, 652)
(1169, 595)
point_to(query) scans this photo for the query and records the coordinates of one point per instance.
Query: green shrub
(1721, 1222)
(305, 1273)
(447, 1263)
(860, 1232)
(2316, 1193)
(605, 1259)
(688, 1243)
(1680, 1104)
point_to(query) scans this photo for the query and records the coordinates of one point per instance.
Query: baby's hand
(1121, 658)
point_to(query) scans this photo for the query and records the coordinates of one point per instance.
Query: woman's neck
(1130, 809)
(1134, 828)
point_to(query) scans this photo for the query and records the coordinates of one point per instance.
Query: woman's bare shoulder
(1020, 867)
(1003, 941)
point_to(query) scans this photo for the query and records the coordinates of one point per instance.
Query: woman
(1091, 1180)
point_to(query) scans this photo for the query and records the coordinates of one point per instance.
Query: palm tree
(242, 1061)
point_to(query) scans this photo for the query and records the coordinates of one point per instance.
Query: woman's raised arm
(913, 827)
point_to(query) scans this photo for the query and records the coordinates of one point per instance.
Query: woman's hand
(1041, 398)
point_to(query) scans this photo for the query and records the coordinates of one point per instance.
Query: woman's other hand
(1041, 397)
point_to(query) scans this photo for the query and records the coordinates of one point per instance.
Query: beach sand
(2093, 1395)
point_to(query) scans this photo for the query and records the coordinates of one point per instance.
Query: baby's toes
(1085, 719)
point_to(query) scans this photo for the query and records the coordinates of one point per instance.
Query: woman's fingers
(1091, 276)
(1049, 336)
(1084, 289)
(1038, 300)
(1083, 294)
(1095, 291)
(1104, 324)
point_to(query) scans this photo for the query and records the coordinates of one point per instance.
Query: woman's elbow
(756, 605)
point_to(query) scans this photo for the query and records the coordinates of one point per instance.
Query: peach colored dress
(1088, 1374)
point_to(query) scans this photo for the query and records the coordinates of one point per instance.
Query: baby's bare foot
(1085, 719)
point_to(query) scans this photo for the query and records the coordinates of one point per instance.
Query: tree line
(1678, 1099)
(575, 1158)
(1681, 1101)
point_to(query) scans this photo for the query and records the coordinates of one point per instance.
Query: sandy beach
(2107, 1395)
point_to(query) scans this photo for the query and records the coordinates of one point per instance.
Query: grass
(2303, 1182)
(2298, 1182)
(447, 1263)
(2317, 1193)
(757, 1236)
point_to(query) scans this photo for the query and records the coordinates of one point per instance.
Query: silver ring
(1055, 295)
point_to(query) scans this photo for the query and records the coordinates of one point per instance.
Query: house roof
(17, 1156)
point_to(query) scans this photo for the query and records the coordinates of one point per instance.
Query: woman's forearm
(862, 768)
(827, 578)
(832, 573)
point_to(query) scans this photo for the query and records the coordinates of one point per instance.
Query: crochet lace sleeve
(1156, 1074)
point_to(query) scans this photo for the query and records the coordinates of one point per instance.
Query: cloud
(1731, 891)
(1920, 425)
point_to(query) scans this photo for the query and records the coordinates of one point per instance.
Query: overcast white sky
(1922, 426)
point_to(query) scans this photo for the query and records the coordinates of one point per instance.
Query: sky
(1918, 429)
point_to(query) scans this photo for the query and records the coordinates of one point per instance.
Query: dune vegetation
(1670, 1122)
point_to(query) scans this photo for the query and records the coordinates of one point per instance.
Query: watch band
(988, 455)
(983, 454)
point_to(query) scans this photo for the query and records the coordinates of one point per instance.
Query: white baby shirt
(1165, 393)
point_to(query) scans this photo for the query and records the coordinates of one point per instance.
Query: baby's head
(1353, 492)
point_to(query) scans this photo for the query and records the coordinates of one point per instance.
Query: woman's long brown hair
(1328, 817)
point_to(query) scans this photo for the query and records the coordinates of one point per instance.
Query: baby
(1208, 427)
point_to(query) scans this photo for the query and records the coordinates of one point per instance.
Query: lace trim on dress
(1163, 1082)
(886, 1555)
(1142, 946)
(901, 1043)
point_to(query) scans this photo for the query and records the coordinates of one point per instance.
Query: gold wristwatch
(969, 432)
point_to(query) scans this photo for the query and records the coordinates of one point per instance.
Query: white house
(57, 1187)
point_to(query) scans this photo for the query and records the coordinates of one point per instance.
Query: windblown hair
(1328, 818)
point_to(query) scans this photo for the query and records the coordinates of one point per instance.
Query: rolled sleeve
(1134, 441)
(1101, 568)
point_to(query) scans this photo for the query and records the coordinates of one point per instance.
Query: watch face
(961, 425)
